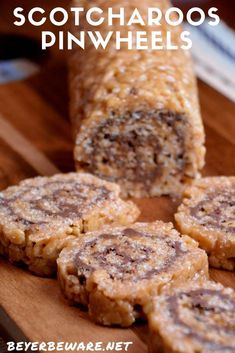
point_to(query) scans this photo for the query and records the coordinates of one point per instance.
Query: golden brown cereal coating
(135, 113)
(116, 271)
(40, 215)
(196, 318)
(207, 214)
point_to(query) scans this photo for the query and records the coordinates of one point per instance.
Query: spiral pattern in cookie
(205, 315)
(59, 199)
(128, 255)
(217, 210)
(126, 153)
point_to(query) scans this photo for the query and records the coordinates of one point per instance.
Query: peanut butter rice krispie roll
(135, 113)
(114, 272)
(207, 214)
(40, 215)
(199, 318)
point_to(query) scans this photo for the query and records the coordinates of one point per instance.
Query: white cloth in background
(213, 52)
(16, 69)
(214, 56)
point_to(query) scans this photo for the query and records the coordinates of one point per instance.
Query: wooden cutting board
(35, 138)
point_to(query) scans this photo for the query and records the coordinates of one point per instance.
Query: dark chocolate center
(139, 145)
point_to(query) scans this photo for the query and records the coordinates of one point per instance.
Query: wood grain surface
(35, 138)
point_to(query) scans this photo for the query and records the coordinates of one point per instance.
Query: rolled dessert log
(115, 271)
(40, 215)
(198, 318)
(207, 214)
(135, 113)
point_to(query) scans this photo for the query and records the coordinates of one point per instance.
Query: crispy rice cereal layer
(115, 271)
(39, 216)
(207, 214)
(197, 318)
(135, 114)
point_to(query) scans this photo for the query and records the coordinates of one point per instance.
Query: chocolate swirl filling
(217, 210)
(206, 307)
(37, 205)
(137, 145)
(126, 257)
